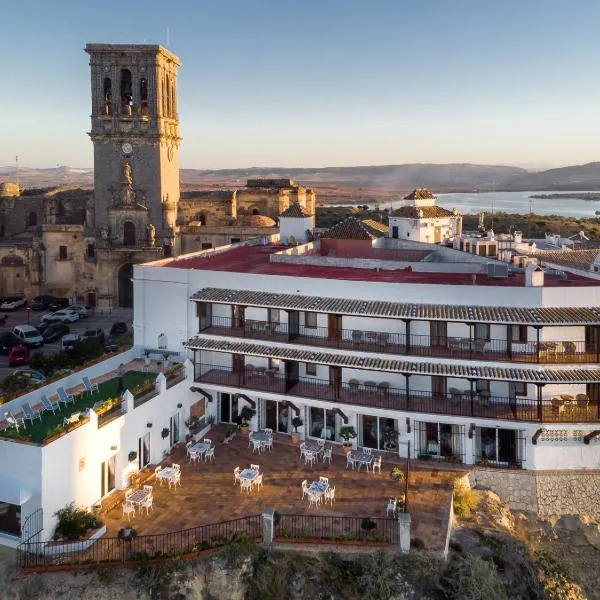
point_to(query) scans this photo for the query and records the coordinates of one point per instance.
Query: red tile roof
(420, 194)
(349, 229)
(422, 212)
(295, 211)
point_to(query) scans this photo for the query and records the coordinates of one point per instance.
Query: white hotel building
(381, 334)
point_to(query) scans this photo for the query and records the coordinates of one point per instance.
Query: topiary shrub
(74, 522)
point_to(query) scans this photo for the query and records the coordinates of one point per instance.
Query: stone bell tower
(135, 132)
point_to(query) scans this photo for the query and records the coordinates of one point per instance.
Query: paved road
(95, 320)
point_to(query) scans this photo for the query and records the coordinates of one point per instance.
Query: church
(73, 243)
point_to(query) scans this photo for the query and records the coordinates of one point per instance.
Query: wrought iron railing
(468, 348)
(381, 395)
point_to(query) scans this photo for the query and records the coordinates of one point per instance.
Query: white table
(138, 497)
(318, 487)
(167, 473)
(200, 447)
(249, 474)
(313, 446)
(260, 436)
(362, 458)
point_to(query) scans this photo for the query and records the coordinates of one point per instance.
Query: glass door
(144, 450)
(271, 414)
(174, 429)
(107, 475)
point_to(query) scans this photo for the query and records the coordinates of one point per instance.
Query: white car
(81, 309)
(69, 340)
(13, 303)
(65, 315)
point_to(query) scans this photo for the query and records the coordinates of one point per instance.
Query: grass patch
(38, 430)
(465, 500)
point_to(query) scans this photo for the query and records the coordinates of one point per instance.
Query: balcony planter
(347, 434)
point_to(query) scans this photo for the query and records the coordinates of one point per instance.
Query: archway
(128, 233)
(126, 285)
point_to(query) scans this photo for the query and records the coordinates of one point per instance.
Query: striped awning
(405, 367)
(508, 315)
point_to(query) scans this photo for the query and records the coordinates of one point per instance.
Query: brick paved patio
(208, 493)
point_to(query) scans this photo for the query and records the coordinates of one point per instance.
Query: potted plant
(347, 433)
(132, 456)
(164, 433)
(246, 415)
(296, 422)
(397, 474)
(210, 420)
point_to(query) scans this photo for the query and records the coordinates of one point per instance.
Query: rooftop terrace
(256, 259)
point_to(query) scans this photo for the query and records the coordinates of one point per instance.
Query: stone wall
(546, 493)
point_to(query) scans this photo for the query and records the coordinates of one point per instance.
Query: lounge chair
(30, 413)
(90, 387)
(65, 398)
(49, 406)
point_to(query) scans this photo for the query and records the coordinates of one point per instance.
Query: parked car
(69, 340)
(65, 315)
(19, 355)
(41, 302)
(81, 309)
(58, 303)
(29, 336)
(13, 303)
(118, 328)
(54, 332)
(8, 340)
(111, 344)
(30, 376)
(93, 334)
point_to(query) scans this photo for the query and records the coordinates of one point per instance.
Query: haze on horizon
(336, 83)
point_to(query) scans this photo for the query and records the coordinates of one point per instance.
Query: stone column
(268, 523)
(404, 532)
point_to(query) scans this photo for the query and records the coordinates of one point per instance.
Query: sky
(276, 83)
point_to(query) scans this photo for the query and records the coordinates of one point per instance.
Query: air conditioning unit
(497, 270)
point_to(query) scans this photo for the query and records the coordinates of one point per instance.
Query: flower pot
(296, 438)
(347, 446)
(245, 430)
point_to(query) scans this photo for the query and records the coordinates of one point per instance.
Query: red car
(18, 356)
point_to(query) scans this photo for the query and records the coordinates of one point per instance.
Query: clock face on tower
(127, 148)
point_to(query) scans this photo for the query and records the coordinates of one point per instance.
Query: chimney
(534, 276)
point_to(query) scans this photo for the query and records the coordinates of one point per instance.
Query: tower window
(126, 92)
(128, 233)
(91, 251)
(144, 97)
(107, 96)
(168, 94)
(62, 253)
(32, 219)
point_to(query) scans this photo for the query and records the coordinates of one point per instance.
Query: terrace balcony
(442, 346)
(453, 403)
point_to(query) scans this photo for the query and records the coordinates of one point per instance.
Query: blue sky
(320, 83)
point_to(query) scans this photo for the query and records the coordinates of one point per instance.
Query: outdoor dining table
(317, 487)
(313, 446)
(138, 497)
(249, 474)
(167, 473)
(260, 436)
(362, 458)
(200, 447)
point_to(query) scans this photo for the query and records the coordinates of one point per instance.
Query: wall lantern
(148, 425)
(113, 448)
(179, 405)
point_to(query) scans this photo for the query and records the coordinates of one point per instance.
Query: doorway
(277, 416)
(91, 299)
(128, 233)
(107, 475)
(126, 285)
(144, 451)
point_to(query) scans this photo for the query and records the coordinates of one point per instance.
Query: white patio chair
(65, 398)
(245, 484)
(236, 474)
(175, 480)
(176, 467)
(157, 476)
(304, 488)
(350, 461)
(128, 509)
(321, 442)
(30, 413)
(148, 488)
(391, 507)
(209, 454)
(367, 450)
(327, 455)
(330, 495)
(256, 445)
(13, 421)
(269, 431)
(377, 464)
(269, 444)
(207, 441)
(314, 499)
(49, 406)
(147, 504)
(309, 457)
(324, 480)
(195, 457)
(255, 468)
(257, 481)
(302, 448)
(128, 494)
(187, 447)
(90, 387)
(264, 446)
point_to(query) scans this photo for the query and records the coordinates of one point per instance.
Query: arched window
(144, 97)
(126, 92)
(201, 218)
(168, 94)
(107, 96)
(162, 342)
(255, 211)
(32, 219)
(128, 233)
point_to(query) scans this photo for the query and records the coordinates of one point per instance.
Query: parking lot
(94, 320)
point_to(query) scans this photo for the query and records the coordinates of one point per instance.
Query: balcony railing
(399, 343)
(461, 404)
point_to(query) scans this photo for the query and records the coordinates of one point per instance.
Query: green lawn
(37, 431)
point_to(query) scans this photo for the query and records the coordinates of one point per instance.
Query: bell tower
(135, 132)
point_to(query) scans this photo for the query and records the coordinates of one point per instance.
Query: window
(32, 219)
(500, 446)
(274, 315)
(235, 240)
(91, 251)
(167, 251)
(128, 233)
(482, 331)
(310, 320)
(324, 423)
(144, 96)
(206, 245)
(439, 440)
(62, 253)
(10, 518)
(379, 433)
(126, 92)
(519, 333)
(311, 369)
(482, 385)
(520, 388)
(107, 97)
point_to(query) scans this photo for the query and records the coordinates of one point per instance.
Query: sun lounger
(49, 406)
(30, 413)
(90, 387)
(65, 398)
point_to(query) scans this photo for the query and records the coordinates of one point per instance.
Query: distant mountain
(364, 182)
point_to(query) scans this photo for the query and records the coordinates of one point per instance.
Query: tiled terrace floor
(208, 493)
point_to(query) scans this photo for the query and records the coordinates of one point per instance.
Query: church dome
(9, 189)
(255, 221)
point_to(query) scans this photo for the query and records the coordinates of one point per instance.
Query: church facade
(72, 243)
